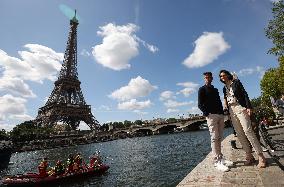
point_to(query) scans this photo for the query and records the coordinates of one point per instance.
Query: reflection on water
(162, 160)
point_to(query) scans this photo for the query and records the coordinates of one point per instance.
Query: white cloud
(140, 112)
(175, 104)
(274, 1)
(137, 87)
(12, 107)
(166, 95)
(150, 47)
(6, 126)
(85, 53)
(208, 47)
(22, 117)
(16, 86)
(186, 91)
(188, 84)
(38, 64)
(170, 110)
(104, 107)
(133, 104)
(119, 46)
(249, 71)
(190, 87)
(45, 99)
(194, 110)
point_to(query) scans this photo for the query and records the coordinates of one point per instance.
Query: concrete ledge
(204, 174)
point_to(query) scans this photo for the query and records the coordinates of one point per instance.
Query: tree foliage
(127, 123)
(3, 135)
(138, 122)
(28, 131)
(270, 85)
(275, 29)
(171, 120)
(261, 110)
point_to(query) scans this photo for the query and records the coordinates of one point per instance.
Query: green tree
(3, 135)
(127, 123)
(138, 122)
(28, 131)
(281, 74)
(24, 131)
(171, 120)
(104, 127)
(256, 102)
(275, 29)
(261, 110)
(120, 125)
(270, 85)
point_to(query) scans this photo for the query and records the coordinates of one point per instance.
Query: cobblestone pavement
(276, 148)
(204, 174)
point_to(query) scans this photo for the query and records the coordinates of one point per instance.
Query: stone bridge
(164, 128)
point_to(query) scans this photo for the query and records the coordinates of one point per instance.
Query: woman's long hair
(229, 75)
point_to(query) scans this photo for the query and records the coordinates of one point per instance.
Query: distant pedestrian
(210, 104)
(240, 109)
(280, 104)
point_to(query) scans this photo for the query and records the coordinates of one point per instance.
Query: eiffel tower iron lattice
(66, 103)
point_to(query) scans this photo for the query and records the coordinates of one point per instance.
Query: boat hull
(32, 179)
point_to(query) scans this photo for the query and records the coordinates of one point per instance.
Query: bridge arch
(193, 125)
(142, 132)
(165, 129)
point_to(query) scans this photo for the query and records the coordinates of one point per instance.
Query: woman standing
(240, 109)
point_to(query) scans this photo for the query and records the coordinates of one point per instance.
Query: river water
(159, 160)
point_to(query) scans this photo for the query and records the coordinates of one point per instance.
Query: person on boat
(59, 168)
(78, 162)
(95, 161)
(42, 168)
(70, 164)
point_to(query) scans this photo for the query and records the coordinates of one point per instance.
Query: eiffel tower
(66, 104)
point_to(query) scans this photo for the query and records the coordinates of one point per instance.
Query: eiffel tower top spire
(69, 66)
(74, 18)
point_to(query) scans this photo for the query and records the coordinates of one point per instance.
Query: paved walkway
(204, 174)
(276, 147)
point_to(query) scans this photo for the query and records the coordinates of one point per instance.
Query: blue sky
(137, 59)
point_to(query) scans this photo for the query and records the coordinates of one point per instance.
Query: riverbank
(79, 138)
(204, 174)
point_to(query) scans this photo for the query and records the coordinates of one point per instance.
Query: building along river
(159, 160)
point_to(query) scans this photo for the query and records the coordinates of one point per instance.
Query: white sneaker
(227, 162)
(264, 149)
(221, 167)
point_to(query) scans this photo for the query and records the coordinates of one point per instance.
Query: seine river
(159, 160)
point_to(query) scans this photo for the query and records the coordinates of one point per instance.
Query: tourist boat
(33, 179)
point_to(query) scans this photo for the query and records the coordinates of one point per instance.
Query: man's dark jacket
(209, 100)
(240, 94)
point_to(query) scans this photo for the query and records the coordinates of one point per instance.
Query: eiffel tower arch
(66, 104)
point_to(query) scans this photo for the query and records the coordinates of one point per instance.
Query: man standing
(210, 104)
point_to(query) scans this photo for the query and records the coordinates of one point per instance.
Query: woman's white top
(231, 99)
